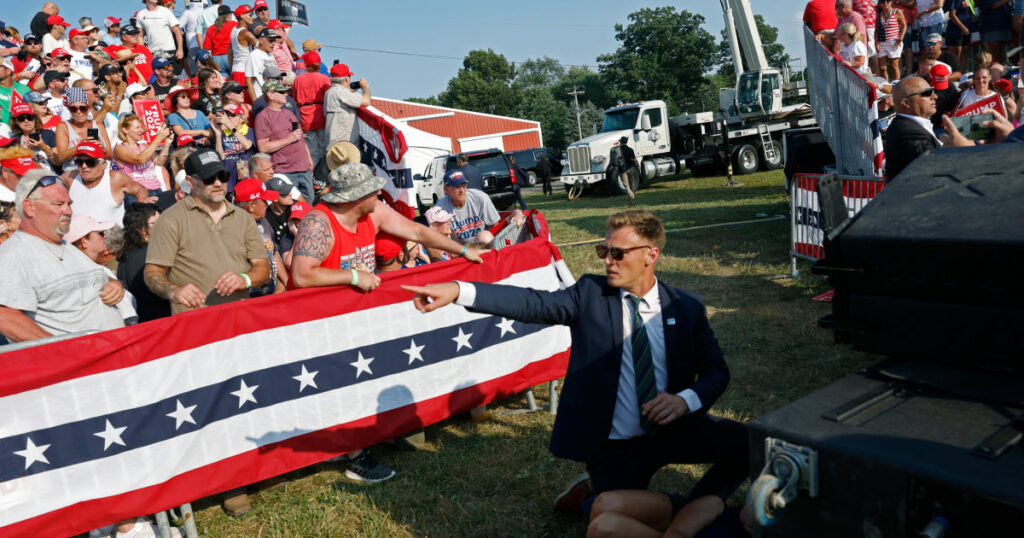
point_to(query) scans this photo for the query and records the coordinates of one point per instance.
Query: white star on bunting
(362, 365)
(32, 453)
(305, 379)
(506, 326)
(244, 394)
(182, 414)
(111, 435)
(462, 340)
(414, 352)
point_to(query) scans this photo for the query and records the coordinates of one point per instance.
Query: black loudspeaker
(931, 268)
(807, 152)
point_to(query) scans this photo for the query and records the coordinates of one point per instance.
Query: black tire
(614, 184)
(778, 162)
(419, 205)
(747, 159)
(531, 178)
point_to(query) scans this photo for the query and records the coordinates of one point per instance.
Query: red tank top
(349, 248)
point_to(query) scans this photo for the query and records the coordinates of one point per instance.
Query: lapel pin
(671, 321)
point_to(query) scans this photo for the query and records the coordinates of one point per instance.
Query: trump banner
(132, 421)
(981, 106)
(150, 111)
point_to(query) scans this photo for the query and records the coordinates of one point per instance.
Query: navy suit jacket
(474, 178)
(593, 311)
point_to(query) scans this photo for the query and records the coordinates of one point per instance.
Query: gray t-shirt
(340, 107)
(61, 295)
(476, 215)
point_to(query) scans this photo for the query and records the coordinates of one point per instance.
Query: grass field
(496, 478)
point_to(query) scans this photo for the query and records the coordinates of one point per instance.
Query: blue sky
(573, 32)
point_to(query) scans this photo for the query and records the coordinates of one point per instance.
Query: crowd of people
(936, 64)
(163, 163)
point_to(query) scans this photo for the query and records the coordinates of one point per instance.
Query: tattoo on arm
(314, 239)
(156, 279)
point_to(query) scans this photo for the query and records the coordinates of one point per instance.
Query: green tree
(539, 73)
(774, 52)
(663, 54)
(483, 84)
(590, 115)
(538, 104)
(594, 86)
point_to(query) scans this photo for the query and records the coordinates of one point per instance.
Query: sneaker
(366, 469)
(576, 491)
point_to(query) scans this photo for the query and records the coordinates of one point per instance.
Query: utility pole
(575, 96)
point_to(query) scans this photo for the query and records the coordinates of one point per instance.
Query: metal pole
(724, 125)
(575, 96)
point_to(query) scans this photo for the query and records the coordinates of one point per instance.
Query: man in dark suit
(910, 133)
(645, 367)
(544, 171)
(474, 178)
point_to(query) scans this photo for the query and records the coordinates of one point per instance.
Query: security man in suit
(644, 369)
(910, 132)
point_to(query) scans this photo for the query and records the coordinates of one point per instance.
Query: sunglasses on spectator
(219, 176)
(930, 43)
(927, 92)
(43, 182)
(82, 108)
(90, 162)
(616, 253)
(25, 117)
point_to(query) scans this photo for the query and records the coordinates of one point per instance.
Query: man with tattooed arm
(334, 246)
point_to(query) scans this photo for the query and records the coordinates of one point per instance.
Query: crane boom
(744, 39)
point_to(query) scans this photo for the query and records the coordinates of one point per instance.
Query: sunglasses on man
(88, 163)
(926, 93)
(219, 176)
(43, 182)
(616, 253)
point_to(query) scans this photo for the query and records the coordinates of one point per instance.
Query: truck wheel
(573, 190)
(746, 159)
(531, 178)
(614, 181)
(777, 162)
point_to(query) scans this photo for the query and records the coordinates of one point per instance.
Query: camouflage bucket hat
(350, 182)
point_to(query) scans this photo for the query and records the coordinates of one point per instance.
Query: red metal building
(467, 130)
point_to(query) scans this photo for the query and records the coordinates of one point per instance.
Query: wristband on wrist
(248, 281)
(463, 253)
(355, 277)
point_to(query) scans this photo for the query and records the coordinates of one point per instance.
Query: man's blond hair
(647, 226)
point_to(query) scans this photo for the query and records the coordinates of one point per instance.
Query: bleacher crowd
(155, 163)
(932, 60)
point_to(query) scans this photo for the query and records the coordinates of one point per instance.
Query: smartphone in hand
(92, 134)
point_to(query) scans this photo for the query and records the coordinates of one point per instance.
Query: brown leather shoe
(578, 490)
(236, 504)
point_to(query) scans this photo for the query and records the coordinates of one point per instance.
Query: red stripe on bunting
(285, 456)
(122, 348)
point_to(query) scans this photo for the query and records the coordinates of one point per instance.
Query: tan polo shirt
(197, 250)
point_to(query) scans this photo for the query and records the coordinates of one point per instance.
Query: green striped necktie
(643, 366)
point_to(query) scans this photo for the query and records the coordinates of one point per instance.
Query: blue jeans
(222, 63)
(303, 181)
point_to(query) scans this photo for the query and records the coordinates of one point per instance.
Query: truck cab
(646, 126)
(760, 94)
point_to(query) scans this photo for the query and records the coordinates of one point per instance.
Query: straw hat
(125, 55)
(341, 153)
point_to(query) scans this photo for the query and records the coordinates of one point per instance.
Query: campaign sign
(992, 102)
(152, 116)
(292, 12)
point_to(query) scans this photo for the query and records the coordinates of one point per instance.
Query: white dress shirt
(626, 416)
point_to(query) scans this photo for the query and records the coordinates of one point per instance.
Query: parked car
(529, 158)
(493, 165)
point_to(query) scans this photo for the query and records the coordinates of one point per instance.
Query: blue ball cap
(454, 178)
(160, 62)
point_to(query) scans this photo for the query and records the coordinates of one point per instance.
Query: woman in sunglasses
(234, 140)
(79, 128)
(183, 119)
(234, 94)
(30, 134)
(142, 161)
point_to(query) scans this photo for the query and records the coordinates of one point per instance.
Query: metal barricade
(805, 216)
(843, 106)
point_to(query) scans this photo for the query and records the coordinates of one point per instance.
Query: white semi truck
(748, 125)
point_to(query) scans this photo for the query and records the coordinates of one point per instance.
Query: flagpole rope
(677, 230)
